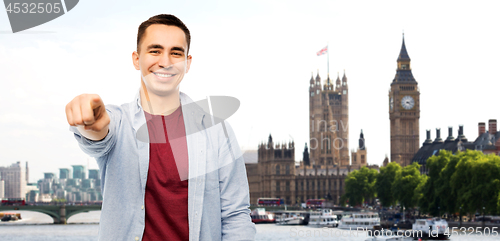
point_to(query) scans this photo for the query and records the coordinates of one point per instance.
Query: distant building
(487, 141)
(88, 183)
(48, 184)
(2, 188)
(15, 180)
(64, 173)
(27, 173)
(33, 196)
(404, 111)
(49, 175)
(78, 172)
(430, 147)
(272, 172)
(359, 157)
(93, 174)
(32, 192)
(386, 162)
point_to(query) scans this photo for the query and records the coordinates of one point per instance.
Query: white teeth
(164, 75)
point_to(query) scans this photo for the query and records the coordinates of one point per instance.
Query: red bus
(267, 201)
(13, 202)
(314, 203)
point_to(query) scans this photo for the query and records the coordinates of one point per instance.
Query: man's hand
(88, 113)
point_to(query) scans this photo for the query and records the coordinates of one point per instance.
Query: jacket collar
(187, 104)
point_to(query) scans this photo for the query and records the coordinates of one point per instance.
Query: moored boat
(389, 238)
(292, 218)
(432, 228)
(11, 217)
(360, 220)
(260, 215)
(323, 217)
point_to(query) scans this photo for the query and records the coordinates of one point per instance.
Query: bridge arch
(59, 213)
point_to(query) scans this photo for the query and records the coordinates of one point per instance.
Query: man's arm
(235, 197)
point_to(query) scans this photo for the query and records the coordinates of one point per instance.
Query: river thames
(85, 226)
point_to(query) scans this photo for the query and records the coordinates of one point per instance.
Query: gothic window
(328, 147)
(287, 186)
(287, 170)
(277, 169)
(277, 186)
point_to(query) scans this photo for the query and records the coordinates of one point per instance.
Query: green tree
(429, 199)
(447, 195)
(407, 180)
(383, 185)
(418, 193)
(477, 182)
(360, 186)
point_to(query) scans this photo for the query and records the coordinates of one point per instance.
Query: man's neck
(159, 105)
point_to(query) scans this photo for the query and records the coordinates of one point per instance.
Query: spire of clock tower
(403, 54)
(403, 72)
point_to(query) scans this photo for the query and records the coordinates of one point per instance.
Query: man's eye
(154, 51)
(178, 54)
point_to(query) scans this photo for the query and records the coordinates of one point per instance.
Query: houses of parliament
(272, 170)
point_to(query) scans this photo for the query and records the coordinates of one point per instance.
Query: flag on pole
(322, 51)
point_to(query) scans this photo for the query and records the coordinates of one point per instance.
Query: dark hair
(166, 19)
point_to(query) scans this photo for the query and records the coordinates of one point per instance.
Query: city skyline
(263, 56)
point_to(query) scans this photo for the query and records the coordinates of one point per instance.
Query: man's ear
(135, 60)
(189, 58)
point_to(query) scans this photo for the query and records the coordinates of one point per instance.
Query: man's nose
(165, 61)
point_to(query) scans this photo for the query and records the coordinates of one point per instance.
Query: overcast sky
(261, 53)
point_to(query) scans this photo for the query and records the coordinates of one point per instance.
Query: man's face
(162, 59)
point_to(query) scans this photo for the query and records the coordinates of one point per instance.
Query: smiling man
(187, 181)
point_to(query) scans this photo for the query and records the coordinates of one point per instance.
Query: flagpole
(327, 60)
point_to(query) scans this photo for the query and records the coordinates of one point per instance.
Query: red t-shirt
(166, 200)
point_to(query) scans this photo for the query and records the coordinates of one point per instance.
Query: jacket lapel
(196, 143)
(139, 120)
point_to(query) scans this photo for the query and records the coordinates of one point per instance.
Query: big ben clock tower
(404, 111)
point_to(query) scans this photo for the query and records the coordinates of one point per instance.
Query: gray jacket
(218, 196)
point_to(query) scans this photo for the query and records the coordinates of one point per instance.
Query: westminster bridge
(59, 212)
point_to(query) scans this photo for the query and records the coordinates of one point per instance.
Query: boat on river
(360, 220)
(324, 218)
(260, 215)
(432, 227)
(292, 218)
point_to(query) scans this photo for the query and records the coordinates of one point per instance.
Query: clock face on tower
(407, 102)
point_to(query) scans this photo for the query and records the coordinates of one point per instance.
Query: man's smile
(164, 75)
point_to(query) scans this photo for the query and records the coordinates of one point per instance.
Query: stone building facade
(272, 170)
